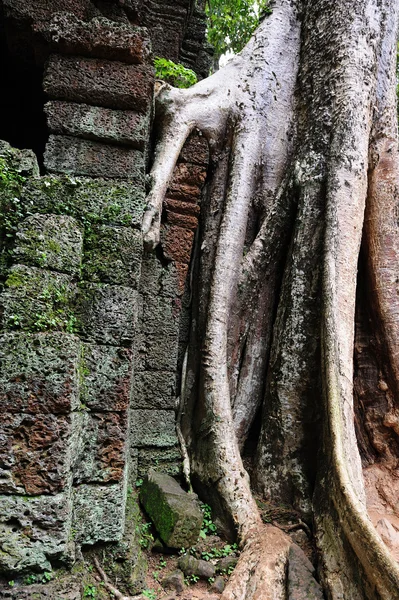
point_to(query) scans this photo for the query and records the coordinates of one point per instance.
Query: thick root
(261, 569)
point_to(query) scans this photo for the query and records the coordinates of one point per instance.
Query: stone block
(34, 531)
(155, 389)
(107, 313)
(106, 377)
(99, 513)
(51, 242)
(39, 373)
(37, 300)
(165, 460)
(99, 201)
(195, 150)
(113, 255)
(188, 174)
(159, 352)
(156, 279)
(102, 448)
(43, 9)
(175, 513)
(177, 243)
(35, 452)
(99, 82)
(100, 124)
(185, 221)
(153, 428)
(99, 38)
(76, 156)
(182, 208)
(301, 582)
(160, 315)
(24, 162)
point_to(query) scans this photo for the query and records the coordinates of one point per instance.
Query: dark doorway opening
(22, 120)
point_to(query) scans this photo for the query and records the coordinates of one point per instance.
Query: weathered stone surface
(177, 243)
(102, 201)
(165, 460)
(156, 279)
(183, 208)
(160, 352)
(155, 389)
(108, 313)
(113, 255)
(126, 563)
(100, 124)
(301, 582)
(22, 161)
(59, 590)
(100, 38)
(37, 300)
(226, 563)
(34, 531)
(43, 9)
(173, 580)
(195, 150)
(185, 221)
(193, 566)
(99, 513)
(35, 452)
(103, 447)
(50, 241)
(160, 315)
(106, 377)
(153, 428)
(39, 373)
(218, 585)
(99, 82)
(83, 157)
(175, 514)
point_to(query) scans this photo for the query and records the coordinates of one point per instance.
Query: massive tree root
(291, 122)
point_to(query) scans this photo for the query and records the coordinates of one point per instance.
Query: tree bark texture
(302, 128)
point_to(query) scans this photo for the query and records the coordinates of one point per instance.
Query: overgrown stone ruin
(93, 328)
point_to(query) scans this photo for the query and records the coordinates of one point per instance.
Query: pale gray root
(346, 193)
(179, 416)
(287, 446)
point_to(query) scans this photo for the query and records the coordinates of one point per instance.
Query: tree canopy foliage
(232, 22)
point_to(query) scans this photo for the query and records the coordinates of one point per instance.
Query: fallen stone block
(301, 582)
(175, 513)
(194, 566)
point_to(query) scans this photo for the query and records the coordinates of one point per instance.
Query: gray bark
(290, 124)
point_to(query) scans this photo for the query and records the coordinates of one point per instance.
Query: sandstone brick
(153, 428)
(165, 460)
(39, 373)
(37, 300)
(113, 255)
(157, 279)
(175, 513)
(50, 241)
(76, 156)
(195, 150)
(100, 124)
(160, 315)
(99, 82)
(35, 453)
(155, 389)
(103, 445)
(100, 38)
(160, 352)
(108, 313)
(185, 221)
(110, 202)
(99, 513)
(188, 174)
(106, 377)
(34, 531)
(181, 207)
(177, 243)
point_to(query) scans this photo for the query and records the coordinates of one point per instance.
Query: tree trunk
(303, 136)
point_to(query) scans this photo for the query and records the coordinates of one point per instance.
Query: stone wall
(92, 329)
